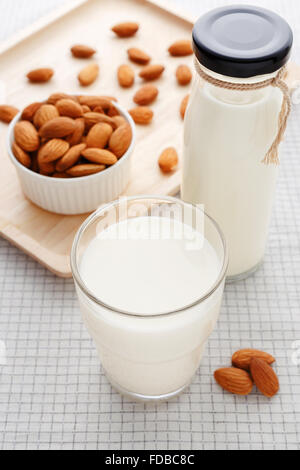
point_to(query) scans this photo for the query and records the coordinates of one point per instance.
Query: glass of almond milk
(149, 274)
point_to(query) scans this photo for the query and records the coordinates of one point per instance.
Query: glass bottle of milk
(235, 119)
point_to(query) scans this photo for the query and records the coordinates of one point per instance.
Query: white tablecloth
(53, 394)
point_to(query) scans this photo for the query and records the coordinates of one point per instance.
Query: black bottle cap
(242, 41)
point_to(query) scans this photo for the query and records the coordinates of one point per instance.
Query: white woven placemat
(53, 394)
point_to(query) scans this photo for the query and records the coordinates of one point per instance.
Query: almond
(264, 377)
(94, 118)
(45, 113)
(21, 155)
(34, 162)
(82, 52)
(55, 97)
(85, 170)
(146, 95)
(141, 115)
(26, 136)
(60, 175)
(76, 136)
(125, 30)
(40, 75)
(47, 169)
(181, 48)
(234, 380)
(69, 108)
(113, 111)
(97, 109)
(119, 121)
(29, 111)
(184, 75)
(168, 160)
(88, 75)
(70, 158)
(183, 106)
(99, 135)
(86, 109)
(52, 150)
(125, 76)
(101, 156)
(242, 359)
(120, 140)
(94, 101)
(138, 56)
(57, 128)
(8, 113)
(151, 72)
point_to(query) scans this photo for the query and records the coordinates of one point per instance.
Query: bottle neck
(224, 78)
(244, 90)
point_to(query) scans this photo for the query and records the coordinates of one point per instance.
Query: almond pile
(70, 136)
(250, 367)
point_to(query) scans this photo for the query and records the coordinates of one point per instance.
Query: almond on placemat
(146, 95)
(88, 75)
(81, 51)
(141, 115)
(264, 377)
(40, 75)
(181, 48)
(183, 106)
(125, 76)
(242, 359)
(138, 56)
(7, 113)
(125, 30)
(151, 72)
(236, 381)
(184, 75)
(168, 160)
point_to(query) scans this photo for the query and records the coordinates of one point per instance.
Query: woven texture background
(53, 394)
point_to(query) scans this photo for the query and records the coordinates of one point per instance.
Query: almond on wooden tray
(70, 138)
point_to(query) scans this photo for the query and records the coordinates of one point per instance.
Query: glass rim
(82, 285)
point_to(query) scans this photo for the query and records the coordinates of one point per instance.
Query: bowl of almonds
(72, 153)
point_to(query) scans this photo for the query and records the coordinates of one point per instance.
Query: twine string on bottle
(271, 156)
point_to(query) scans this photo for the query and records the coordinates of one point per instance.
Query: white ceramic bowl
(74, 195)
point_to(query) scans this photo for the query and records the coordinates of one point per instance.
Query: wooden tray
(48, 237)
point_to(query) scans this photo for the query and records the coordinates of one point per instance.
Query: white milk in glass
(149, 351)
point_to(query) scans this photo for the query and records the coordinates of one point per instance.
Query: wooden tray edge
(31, 248)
